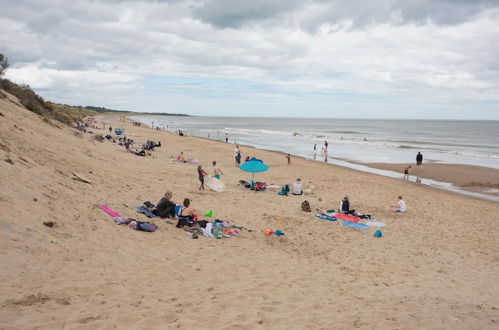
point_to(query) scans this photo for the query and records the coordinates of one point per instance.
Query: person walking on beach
(325, 144)
(401, 206)
(217, 173)
(237, 155)
(419, 159)
(226, 138)
(110, 129)
(201, 174)
(289, 159)
(406, 172)
(315, 151)
(325, 155)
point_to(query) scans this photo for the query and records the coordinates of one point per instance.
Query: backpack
(305, 206)
(284, 190)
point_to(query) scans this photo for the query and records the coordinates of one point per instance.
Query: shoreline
(444, 176)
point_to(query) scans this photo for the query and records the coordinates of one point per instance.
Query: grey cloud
(235, 13)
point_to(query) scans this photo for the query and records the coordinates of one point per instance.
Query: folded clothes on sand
(325, 217)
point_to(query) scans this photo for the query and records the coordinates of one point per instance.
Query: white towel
(207, 230)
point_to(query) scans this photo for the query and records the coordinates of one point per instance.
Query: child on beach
(401, 206)
(289, 159)
(217, 173)
(201, 174)
(406, 172)
(181, 158)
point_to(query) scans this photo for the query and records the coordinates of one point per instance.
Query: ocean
(352, 140)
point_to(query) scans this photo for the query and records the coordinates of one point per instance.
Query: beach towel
(347, 217)
(325, 217)
(355, 225)
(375, 224)
(144, 210)
(109, 211)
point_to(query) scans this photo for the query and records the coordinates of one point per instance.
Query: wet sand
(469, 177)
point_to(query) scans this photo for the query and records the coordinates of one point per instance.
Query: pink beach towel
(109, 211)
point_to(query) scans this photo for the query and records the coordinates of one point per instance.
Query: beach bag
(305, 206)
(218, 230)
(147, 226)
(284, 190)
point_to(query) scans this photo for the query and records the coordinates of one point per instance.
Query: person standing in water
(419, 159)
(315, 151)
(406, 172)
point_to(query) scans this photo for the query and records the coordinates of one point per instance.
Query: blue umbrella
(254, 166)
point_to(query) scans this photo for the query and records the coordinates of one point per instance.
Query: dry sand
(436, 267)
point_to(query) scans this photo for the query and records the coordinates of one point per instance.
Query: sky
(414, 59)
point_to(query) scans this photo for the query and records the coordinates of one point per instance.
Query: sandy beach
(468, 177)
(435, 267)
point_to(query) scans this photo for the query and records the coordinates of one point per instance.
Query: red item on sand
(347, 217)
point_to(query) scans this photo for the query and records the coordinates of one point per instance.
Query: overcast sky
(292, 58)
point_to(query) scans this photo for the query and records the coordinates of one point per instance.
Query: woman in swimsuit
(186, 215)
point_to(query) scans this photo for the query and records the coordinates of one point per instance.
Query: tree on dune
(4, 64)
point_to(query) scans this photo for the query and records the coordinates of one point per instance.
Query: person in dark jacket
(345, 206)
(165, 207)
(419, 159)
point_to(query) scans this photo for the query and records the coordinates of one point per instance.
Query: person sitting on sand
(165, 207)
(345, 206)
(297, 187)
(217, 173)
(246, 159)
(406, 172)
(186, 214)
(401, 206)
(181, 158)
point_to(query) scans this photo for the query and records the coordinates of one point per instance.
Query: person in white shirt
(401, 206)
(297, 188)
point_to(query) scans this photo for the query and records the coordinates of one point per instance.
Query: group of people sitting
(188, 217)
(345, 206)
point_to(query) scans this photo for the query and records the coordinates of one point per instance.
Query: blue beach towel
(325, 217)
(355, 225)
(146, 211)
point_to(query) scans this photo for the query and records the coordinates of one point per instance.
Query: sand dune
(436, 267)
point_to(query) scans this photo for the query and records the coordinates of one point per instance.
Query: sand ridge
(435, 267)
